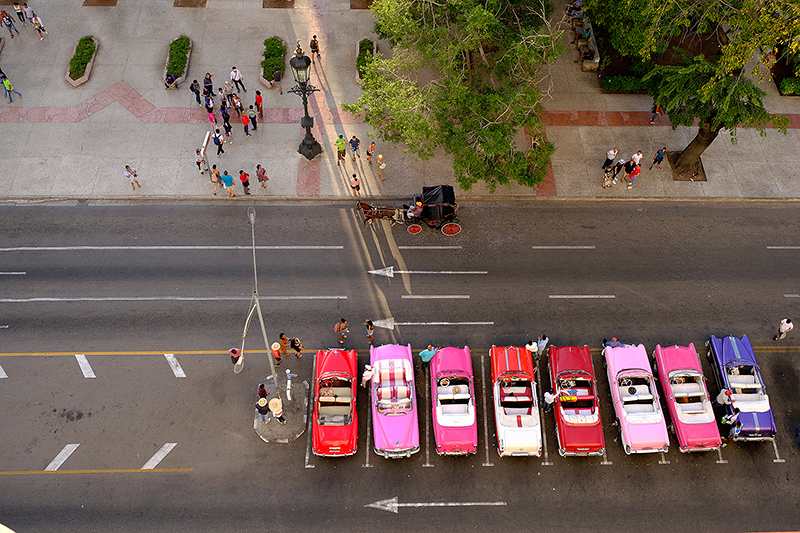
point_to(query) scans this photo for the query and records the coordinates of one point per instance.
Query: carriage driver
(414, 211)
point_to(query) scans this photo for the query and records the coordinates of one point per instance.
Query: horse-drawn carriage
(436, 208)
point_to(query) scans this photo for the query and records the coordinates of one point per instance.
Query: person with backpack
(219, 140)
(342, 329)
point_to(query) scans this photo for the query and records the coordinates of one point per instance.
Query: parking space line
(175, 365)
(164, 298)
(3, 373)
(106, 471)
(429, 247)
(546, 461)
(563, 247)
(663, 460)
(369, 436)
(435, 296)
(86, 368)
(62, 456)
(12, 273)
(777, 457)
(425, 370)
(720, 461)
(582, 296)
(605, 461)
(485, 414)
(145, 248)
(159, 456)
(311, 415)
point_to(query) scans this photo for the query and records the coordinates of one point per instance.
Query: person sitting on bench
(586, 54)
(170, 81)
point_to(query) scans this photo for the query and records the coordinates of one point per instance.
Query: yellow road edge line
(110, 471)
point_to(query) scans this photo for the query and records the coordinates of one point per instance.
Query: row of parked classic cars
(640, 418)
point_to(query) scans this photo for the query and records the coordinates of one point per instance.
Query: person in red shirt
(246, 122)
(245, 177)
(260, 105)
(262, 391)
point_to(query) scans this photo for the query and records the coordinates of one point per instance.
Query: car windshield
(335, 402)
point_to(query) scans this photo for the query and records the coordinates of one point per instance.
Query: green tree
(697, 91)
(463, 77)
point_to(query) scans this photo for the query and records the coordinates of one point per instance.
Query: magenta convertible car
(641, 421)
(394, 401)
(455, 426)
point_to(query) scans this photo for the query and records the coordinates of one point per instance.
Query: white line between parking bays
(435, 296)
(783, 247)
(429, 247)
(485, 415)
(159, 455)
(12, 273)
(791, 295)
(167, 298)
(309, 434)
(62, 456)
(581, 296)
(546, 461)
(563, 247)
(175, 365)
(605, 461)
(86, 368)
(3, 373)
(425, 370)
(777, 457)
(663, 460)
(137, 248)
(369, 438)
(444, 323)
(720, 461)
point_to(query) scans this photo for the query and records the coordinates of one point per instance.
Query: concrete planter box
(264, 81)
(83, 79)
(358, 49)
(186, 71)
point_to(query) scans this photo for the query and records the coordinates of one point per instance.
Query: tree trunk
(691, 154)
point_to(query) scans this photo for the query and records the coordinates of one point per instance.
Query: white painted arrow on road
(392, 504)
(389, 272)
(389, 323)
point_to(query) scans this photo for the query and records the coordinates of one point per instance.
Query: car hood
(757, 423)
(647, 436)
(581, 438)
(396, 432)
(463, 439)
(335, 440)
(698, 436)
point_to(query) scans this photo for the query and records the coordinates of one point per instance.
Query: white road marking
(605, 461)
(137, 248)
(389, 323)
(485, 415)
(791, 295)
(777, 457)
(369, 433)
(62, 456)
(311, 416)
(582, 296)
(428, 426)
(783, 247)
(389, 272)
(435, 296)
(663, 460)
(86, 368)
(392, 504)
(166, 298)
(175, 365)
(720, 461)
(546, 461)
(12, 273)
(3, 373)
(563, 247)
(4, 326)
(429, 247)
(159, 456)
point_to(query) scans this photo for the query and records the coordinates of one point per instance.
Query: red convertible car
(577, 409)
(335, 422)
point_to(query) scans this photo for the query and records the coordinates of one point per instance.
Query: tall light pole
(299, 64)
(256, 306)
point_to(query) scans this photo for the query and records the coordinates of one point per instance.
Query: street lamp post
(299, 64)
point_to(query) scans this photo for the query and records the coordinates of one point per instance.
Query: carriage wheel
(413, 229)
(451, 228)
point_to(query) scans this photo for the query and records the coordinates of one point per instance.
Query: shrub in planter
(623, 83)
(274, 57)
(176, 61)
(790, 86)
(364, 57)
(83, 54)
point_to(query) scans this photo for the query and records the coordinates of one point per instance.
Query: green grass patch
(178, 50)
(623, 83)
(83, 54)
(364, 56)
(274, 57)
(790, 86)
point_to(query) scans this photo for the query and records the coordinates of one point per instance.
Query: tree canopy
(463, 76)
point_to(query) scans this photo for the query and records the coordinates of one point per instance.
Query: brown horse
(371, 212)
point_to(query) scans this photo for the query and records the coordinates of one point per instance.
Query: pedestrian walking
(260, 105)
(370, 330)
(342, 329)
(733, 433)
(427, 354)
(276, 80)
(341, 147)
(283, 340)
(227, 90)
(200, 160)
(37, 23)
(549, 400)
(355, 184)
(246, 124)
(208, 85)
(245, 179)
(276, 407)
(656, 111)
(9, 23)
(314, 46)
(226, 126)
(19, 12)
(367, 376)
(355, 143)
(10, 89)
(381, 166)
(637, 157)
(541, 344)
(297, 346)
(370, 151)
(210, 110)
(783, 328)
(216, 179)
(237, 104)
(725, 397)
(221, 95)
(227, 181)
(237, 79)
(262, 391)
(610, 156)
(262, 410)
(251, 114)
(195, 88)
(219, 140)
(730, 419)
(236, 353)
(131, 174)
(28, 12)
(658, 158)
(634, 174)
(261, 174)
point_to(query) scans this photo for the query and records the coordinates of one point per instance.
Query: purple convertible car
(736, 369)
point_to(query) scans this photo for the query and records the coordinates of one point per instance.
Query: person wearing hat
(367, 376)
(235, 355)
(263, 410)
(725, 397)
(414, 211)
(276, 407)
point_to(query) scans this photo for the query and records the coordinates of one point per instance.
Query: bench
(331, 410)
(692, 408)
(587, 65)
(639, 408)
(744, 381)
(393, 393)
(642, 392)
(454, 409)
(682, 390)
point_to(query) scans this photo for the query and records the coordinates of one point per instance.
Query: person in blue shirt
(427, 354)
(227, 180)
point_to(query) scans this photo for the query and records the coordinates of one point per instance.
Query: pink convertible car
(394, 402)
(685, 392)
(641, 421)
(455, 426)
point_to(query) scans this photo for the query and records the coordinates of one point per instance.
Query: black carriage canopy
(438, 203)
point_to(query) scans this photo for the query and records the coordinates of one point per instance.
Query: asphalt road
(645, 272)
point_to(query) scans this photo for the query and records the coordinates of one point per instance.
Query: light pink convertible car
(394, 401)
(641, 421)
(455, 426)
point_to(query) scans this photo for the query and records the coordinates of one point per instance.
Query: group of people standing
(24, 12)
(630, 170)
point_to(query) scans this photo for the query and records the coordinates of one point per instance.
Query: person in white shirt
(610, 155)
(637, 157)
(785, 327)
(549, 399)
(236, 78)
(367, 375)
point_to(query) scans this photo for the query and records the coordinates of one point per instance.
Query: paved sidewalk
(73, 143)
